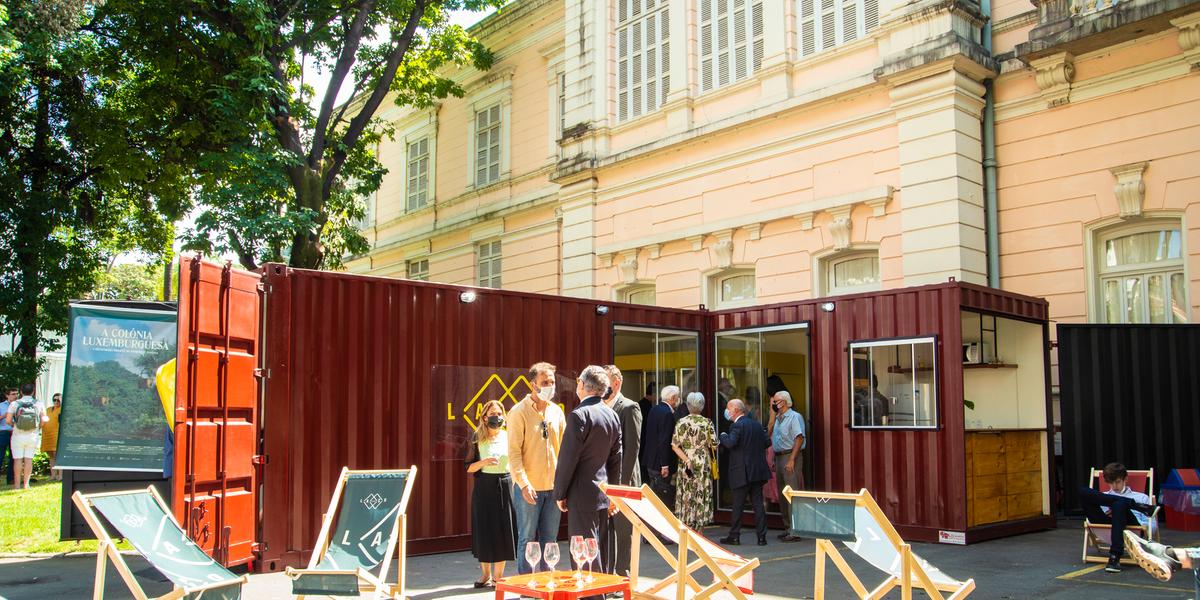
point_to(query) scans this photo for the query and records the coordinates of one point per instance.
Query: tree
(290, 186)
(87, 169)
(129, 282)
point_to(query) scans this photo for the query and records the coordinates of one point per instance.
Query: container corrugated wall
(348, 382)
(1128, 394)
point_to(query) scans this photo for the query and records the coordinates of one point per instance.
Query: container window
(893, 383)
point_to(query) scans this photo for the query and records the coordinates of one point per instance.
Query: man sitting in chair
(1116, 507)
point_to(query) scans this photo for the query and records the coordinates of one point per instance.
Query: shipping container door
(216, 409)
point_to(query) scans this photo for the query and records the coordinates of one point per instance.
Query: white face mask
(546, 393)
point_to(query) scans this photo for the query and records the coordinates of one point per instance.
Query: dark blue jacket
(747, 443)
(659, 427)
(590, 455)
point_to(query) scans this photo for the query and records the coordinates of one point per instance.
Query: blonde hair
(483, 431)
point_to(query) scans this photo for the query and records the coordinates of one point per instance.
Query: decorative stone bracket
(1130, 188)
(840, 226)
(629, 266)
(724, 248)
(1054, 75)
(1189, 37)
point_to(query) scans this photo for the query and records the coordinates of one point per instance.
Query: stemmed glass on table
(591, 553)
(550, 553)
(578, 551)
(533, 554)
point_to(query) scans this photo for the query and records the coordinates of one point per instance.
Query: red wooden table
(566, 587)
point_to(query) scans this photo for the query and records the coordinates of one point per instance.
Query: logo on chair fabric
(373, 501)
(133, 520)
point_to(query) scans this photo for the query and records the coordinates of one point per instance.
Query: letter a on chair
(858, 522)
(364, 524)
(732, 575)
(142, 517)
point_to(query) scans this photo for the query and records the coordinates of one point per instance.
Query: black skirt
(493, 537)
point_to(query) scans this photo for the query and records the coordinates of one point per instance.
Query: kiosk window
(893, 383)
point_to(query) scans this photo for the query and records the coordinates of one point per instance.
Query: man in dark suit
(630, 416)
(590, 455)
(646, 403)
(660, 459)
(746, 442)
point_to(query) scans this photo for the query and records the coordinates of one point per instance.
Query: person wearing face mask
(491, 499)
(786, 431)
(746, 441)
(535, 432)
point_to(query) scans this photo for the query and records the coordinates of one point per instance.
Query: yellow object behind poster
(164, 382)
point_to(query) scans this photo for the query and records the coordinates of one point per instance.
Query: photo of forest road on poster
(113, 416)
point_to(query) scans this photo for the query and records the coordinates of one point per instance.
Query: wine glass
(550, 553)
(578, 550)
(592, 552)
(533, 554)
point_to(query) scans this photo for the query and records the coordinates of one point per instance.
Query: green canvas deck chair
(858, 522)
(732, 575)
(364, 524)
(142, 517)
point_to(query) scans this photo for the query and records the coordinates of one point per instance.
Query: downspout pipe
(991, 211)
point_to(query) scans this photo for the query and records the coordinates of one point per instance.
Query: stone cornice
(874, 197)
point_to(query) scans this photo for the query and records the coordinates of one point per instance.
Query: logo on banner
(492, 389)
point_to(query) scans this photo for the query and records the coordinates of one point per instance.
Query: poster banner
(112, 411)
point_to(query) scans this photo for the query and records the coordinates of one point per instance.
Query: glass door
(752, 365)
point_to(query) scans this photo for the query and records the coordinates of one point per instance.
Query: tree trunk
(307, 250)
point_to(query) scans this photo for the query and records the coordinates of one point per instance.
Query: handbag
(713, 458)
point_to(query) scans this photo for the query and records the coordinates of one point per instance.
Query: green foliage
(114, 403)
(288, 172)
(30, 520)
(90, 166)
(129, 282)
(41, 464)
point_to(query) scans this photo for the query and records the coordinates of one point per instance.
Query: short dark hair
(540, 367)
(27, 389)
(11, 390)
(1114, 471)
(650, 388)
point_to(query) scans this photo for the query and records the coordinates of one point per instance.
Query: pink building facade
(731, 153)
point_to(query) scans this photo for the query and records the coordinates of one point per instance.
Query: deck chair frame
(1095, 549)
(912, 574)
(682, 580)
(368, 582)
(107, 550)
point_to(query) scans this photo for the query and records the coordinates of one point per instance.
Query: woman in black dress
(492, 533)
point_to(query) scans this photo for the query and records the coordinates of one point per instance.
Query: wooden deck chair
(1097, 537)
(858, 522)
(365, 522)
(142, 517)
(651, 518)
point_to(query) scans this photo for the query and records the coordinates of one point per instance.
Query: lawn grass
(29, 521)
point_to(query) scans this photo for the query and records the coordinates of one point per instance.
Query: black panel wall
(1129, 393)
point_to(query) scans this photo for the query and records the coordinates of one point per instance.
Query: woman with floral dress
(694, 441)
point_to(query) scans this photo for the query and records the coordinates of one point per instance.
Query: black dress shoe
(783, 536)
(762, 541)
(1146, 509)
(791, 538)
(731, 541)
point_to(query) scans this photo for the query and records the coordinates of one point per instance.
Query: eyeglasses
(545, 430)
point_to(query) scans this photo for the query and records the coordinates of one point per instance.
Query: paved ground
(1039, 565)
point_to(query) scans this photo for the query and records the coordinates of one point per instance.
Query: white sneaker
(1150, 556)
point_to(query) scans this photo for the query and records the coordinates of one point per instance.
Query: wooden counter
(1004, 476)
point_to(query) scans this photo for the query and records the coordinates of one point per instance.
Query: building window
(488, 264)
(893, 383)
(487, 146)
(731, 41)
(1140, 274)
(639, 295)
(851, 273)
(828, 23)
(732, 288)
(418, 174)
(643, 57)
(417, 270)
(562, 104)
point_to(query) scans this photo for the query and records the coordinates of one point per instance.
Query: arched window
(851, 272)
(1140, 274)
(732, 288)
(642, 294)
